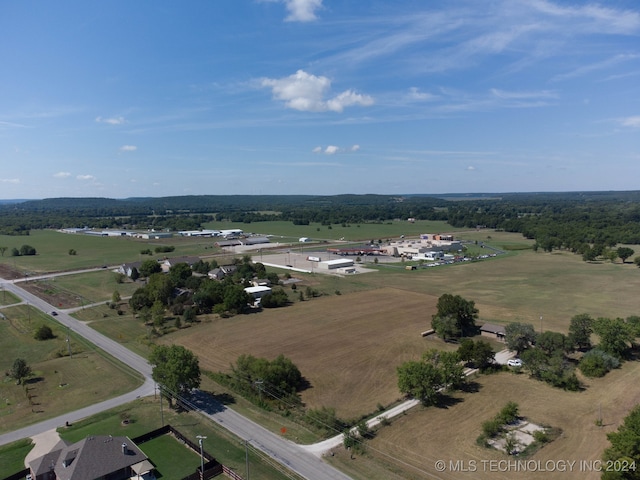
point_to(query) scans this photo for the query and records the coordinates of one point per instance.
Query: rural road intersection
(289, 454)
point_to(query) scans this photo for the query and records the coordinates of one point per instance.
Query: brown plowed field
(348, 347)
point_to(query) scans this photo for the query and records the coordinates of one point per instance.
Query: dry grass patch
(348, 347)
(425, 435)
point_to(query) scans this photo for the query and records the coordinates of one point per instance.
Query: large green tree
(624, 253)
(464, 312)
(519, 336)
(176, 369)
(553, 343)
(625, 449)
(149, 267)
(580, 330)
(20, 370)
(478, 354)
(615, 335)
(179, 273)
(421, 380)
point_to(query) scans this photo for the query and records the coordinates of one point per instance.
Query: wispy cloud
(633, 122)
(111, 120)
(333, 149)
(11, 125)
(462, 35)
(85, 177)
(416, 95)
(128, 148)
(62, 175)
(306, 92)
(10, 180)
(602, 65)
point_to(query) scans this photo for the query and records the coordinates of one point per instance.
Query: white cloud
(9, 180)
(471, 167)
(334, 149)
(523, 95)
(11, 124)
(305, 92)
(111, 121)
(416, 94)
(85, 177)
(62, 174)
(302, 10)
(603, 65)
(128, 148)
(331, 150)
(633, 122)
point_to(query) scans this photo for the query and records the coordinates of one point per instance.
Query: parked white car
(514, 362)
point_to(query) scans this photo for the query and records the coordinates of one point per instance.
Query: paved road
(285, 452)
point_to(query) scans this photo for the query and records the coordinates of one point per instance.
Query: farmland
(349, 341)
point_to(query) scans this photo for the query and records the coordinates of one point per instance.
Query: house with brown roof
(490, 330)
(95, 457)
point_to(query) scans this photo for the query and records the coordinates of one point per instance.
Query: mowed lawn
(172, 458)
(347, 346)
(415, 441)
(59, 383)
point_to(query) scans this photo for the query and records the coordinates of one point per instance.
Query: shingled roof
(93, 457)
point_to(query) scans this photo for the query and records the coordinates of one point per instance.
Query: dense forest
(573, 220)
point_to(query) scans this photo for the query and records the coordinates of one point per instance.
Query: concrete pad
(44, 443)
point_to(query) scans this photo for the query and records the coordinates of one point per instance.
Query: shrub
(509, 413)
(325, 419)
(540, 436)
(491, 428)
(596, 363)
(43, 332)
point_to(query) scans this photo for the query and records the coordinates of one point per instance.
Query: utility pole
(161, 410)
(69, 344)
(200, 438)
(246, 458)
(259, 385)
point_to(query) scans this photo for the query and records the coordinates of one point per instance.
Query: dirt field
(426, 435)
(347, 346)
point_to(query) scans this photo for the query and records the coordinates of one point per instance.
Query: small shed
(490, 330)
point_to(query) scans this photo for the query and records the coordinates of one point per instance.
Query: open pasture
(524, 286)
(346, 346)
(91, 251)
(68, 291)
(350, 232)
(59, 383)
(415, 441)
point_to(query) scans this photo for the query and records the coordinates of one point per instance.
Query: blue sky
(157, 98)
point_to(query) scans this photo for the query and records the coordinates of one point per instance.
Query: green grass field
(288, 232)
(90, 287)
(59, 383)
(8, 298)
(171, 458)
(12, 456)
(53, 250)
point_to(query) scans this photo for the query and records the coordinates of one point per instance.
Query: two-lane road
(283, 451)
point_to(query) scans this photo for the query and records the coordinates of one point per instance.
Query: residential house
(96, 457)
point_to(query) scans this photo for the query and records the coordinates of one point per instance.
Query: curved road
(287, 453)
